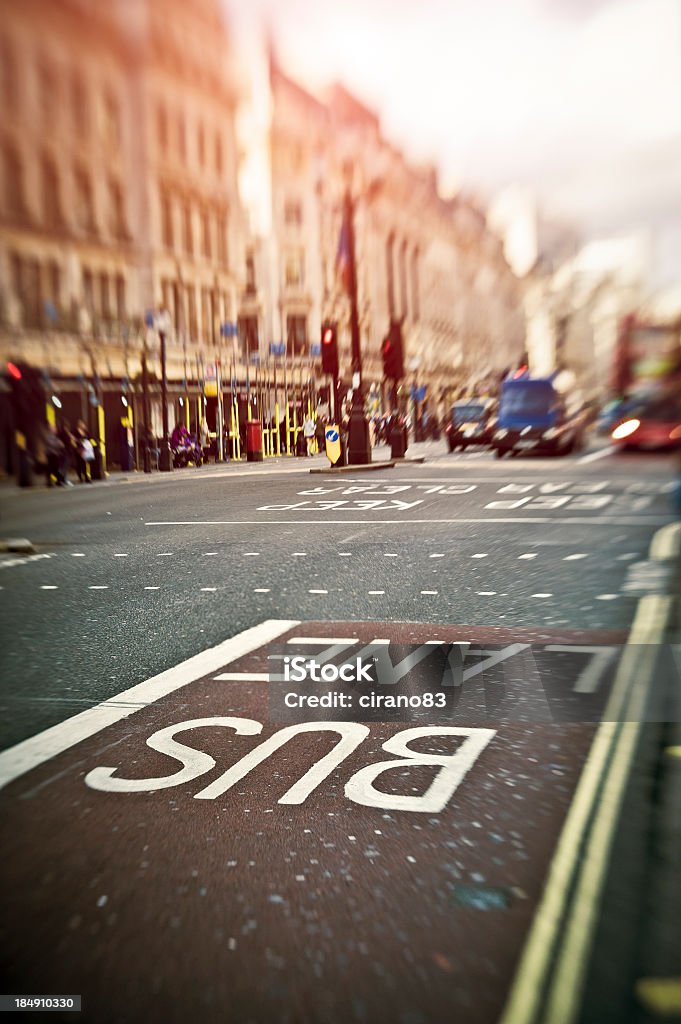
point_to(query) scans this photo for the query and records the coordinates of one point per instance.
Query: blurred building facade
(433, 264)
(119, 191)
(119, 199)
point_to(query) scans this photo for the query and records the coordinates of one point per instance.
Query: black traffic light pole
(165, 461)
(359, 441)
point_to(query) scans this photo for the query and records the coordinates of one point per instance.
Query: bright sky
(580, 99)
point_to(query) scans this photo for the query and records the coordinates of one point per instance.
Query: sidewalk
(281, 464)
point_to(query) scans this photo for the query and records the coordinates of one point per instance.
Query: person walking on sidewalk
(85, 453)
(309, 433)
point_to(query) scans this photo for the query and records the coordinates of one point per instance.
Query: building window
(250, 274)
(201, 145)
(222, 238)
(191, 312)
(294, 268)
(54, 283)
(84, 211)
(205, 234)
(120, 297)
(80, 110)
(8, 75)
(208, 314)
(166, 221)
(162, 127)
(415, 283)
(247, 330)
(296, 335)
(390, 280)
(182, 137)
(104, 303)
(48, 89)
(88, 290)
(51, 194)
(403, 279)
(117, 223)
(15, 203)
(293, 213)
(112, 120)
(219, 162)
(187, 229)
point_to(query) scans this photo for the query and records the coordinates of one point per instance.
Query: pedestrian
(67, 439)
(85, 453)
(309, 433)
(54, 456)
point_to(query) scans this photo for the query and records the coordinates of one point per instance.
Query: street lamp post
(359, 441)
(165, 459)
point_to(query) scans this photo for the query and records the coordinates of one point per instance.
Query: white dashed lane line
(121, 554)
(209, 589)
(575, 557)
(77, 554)
(377, 592)
(429, 593)
(46, 587)
(164, 554)
(480, 554)
(528, 555)
(542, 595)
(607, 597)
(317, 591)
(99, 587)
(486, 593)
(152, 588)
(261, 590)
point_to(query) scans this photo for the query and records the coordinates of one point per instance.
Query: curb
(370, 467)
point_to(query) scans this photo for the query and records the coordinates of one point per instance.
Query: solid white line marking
(529, 554)
(261, 590)
(377, 591)
(594, 456)
(607, 597)
(314, 640)
(211, 589)
(599, 520)
(99, 587)
(48, 744)
(242, 677)
(542, 595)
(431, 592)
(317, 591)
(45, 587)
(573, 558)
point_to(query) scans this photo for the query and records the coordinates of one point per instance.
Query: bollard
(398, 441)
(254, 441)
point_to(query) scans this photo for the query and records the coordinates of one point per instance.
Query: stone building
(119, 196)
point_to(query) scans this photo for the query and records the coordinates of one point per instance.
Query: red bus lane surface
(148, 874)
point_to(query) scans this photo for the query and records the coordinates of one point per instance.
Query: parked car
(470, 422)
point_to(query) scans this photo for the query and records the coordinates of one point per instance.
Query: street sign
(333, 445)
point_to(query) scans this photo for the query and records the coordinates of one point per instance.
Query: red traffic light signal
(14, 371)
(329, 350)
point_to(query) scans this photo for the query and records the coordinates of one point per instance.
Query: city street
(304, 886)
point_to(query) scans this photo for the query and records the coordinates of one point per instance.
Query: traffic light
(329, 350)
(28, 396)
(392, 352)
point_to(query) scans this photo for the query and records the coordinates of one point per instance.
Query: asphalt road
(365, 895)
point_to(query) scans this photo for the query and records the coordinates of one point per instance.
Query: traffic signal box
(392, 353)
(329, 350)
(28, 397)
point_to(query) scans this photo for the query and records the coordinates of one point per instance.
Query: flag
(343, 254)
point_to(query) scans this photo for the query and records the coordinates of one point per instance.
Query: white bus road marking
(602, 520)
(44, 746)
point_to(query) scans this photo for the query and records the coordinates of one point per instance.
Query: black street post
(165, 461)
(359, 441)
(146, 454)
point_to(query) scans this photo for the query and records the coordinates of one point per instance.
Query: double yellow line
(549, 980)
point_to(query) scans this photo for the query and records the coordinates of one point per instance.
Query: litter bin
(97, 464)
(398, 441)
(301, 444)
(254, 441)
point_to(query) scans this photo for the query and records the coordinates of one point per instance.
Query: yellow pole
(101, 430)
(51, 415)
(277, 439)
(187, 412)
